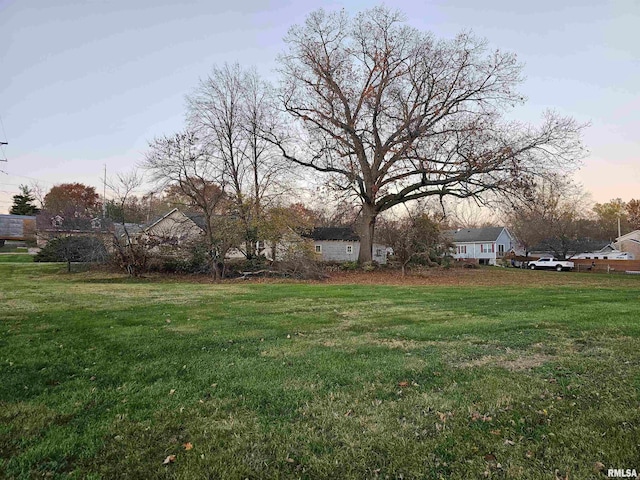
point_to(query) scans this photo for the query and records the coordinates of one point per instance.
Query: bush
(196, 262)
(251, 265)
(299, 261)
(73, 249)
(369, 266)
(349, 266)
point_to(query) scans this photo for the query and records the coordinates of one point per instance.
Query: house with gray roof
(342, 244)
(483, 245)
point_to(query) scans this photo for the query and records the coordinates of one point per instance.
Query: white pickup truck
(551, 264)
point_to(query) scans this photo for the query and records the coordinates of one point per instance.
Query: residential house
(629, 243)
(342, 244)
(173, 228)
(17, 228)
(331, 244)
(48, 228)
(176, 228)
(608, 252)
(482, 245)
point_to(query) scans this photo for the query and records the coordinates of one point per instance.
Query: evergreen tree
(23, 203)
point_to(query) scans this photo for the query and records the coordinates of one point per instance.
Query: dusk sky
(84, 83)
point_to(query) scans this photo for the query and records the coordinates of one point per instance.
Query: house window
(501, 249)
(486, 247)
(318, 248)
(379, 252)
(349, 249)
(461, 249)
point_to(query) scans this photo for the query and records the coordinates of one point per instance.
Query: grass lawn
(16, 258)
(537, 376)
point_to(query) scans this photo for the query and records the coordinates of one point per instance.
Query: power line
(29, 178)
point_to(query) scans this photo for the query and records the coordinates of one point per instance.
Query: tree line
(377, 113)
(381, 113)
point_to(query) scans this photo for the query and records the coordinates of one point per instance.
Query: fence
(586, 265)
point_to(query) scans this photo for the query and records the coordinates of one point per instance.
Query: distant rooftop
(485, 234)
(346, 234)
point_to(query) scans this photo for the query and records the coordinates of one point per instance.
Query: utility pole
(104, 193)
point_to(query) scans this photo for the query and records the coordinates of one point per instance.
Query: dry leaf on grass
(169, 459)
(188, 446)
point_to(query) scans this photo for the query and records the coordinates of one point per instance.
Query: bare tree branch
(394, 115)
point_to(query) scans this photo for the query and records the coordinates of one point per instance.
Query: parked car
(551, 263)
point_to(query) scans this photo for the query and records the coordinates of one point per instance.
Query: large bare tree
(230, 109)
(392, 114)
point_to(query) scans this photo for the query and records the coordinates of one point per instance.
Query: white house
(485, 245)
(630, 243)
(606, 253)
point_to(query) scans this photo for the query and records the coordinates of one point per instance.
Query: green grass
(12, 248)
(104, 377)
(16, 258)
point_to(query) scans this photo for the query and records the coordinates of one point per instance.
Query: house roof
(334, 233)
(159, 219)
(464, 235)
(132, 228)
(198, 219)
(634, 235)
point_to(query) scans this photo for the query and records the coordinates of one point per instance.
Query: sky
(88, 83)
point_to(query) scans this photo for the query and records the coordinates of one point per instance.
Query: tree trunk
(367, 229)
(215, 271)
(248, 248)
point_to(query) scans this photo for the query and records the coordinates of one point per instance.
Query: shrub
(349, 266)
(369, 266)
(72, 249)
(299, 261)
